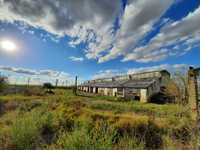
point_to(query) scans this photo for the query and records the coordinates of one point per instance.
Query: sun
(8, 46)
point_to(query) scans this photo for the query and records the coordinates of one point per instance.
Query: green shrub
(77, 140)
(3, 83)
(31, 130)
(34, 91)
(182, 133)
(24, 133)
(141, 129)
(195, 140)
(47, 128)
(127, 143)
(99, 138)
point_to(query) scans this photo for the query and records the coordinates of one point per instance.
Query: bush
(3, 83)
(127, 143)
(33, 91)
(99, 138)
(77, 140)
(182, 133)
(31, 130)
(24, 133)
(141, 129)
(49, 87)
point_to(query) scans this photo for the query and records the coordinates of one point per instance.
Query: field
(64, 121)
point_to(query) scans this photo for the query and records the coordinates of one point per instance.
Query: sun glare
(8, 46)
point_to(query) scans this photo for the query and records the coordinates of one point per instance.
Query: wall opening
(96, 90)
(137, 98)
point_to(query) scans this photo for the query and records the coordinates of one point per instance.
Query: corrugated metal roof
(139, 83)
(142, 83)
(132, 74)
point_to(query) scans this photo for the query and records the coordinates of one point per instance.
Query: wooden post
(75, 86)
(57, 83)
(28, 82)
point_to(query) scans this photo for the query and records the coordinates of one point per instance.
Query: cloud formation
(107, 28)
(106, 74)
(76, 59)
(175, 38)
(113, 72)
(171, 68)
(37, 76)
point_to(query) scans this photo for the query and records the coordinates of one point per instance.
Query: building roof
(142, 83)
(128, 76)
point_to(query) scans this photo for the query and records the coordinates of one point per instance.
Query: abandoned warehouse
(140, 86)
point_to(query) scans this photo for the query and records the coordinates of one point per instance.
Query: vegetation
(3, 83)
(64, 121)
(49, 87)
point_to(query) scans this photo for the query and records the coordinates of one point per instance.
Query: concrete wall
(143, 96)
(120, 92)
(101, 91)
(94, 90)
(108, 91)
(131, 93)
(114, 92)
(192, 89)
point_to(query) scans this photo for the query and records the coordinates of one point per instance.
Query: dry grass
(66, 121)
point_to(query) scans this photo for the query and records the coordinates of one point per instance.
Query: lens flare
(8, 46)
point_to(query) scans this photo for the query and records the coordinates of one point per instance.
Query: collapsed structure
(139, 86)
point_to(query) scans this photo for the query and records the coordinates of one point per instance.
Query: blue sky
(94, 39)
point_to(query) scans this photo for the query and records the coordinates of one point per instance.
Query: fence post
(75, 86)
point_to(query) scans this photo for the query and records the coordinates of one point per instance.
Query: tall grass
(98, 138)
(30, 130)
(25, 133)
(67, 122)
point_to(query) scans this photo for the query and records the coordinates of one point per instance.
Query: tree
(49, 87)
(181, 81)
(3, 83)
(173, 90)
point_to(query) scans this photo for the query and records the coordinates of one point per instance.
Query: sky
(59, 39)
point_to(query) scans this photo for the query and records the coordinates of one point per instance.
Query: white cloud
(89, 21)
(174, 68)
(138, 19)
(92, 22)
(106, 74)
(174, 39)
(21, 75)
(76, 59)
(171, 68)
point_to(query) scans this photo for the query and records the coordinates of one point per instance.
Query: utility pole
(75, 86)
(66, 83)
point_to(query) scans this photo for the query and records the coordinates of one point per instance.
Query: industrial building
(139, 86)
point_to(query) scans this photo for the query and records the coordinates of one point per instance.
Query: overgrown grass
(65, 121)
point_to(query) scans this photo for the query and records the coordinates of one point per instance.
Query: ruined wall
(114, 91)
(193, 88)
